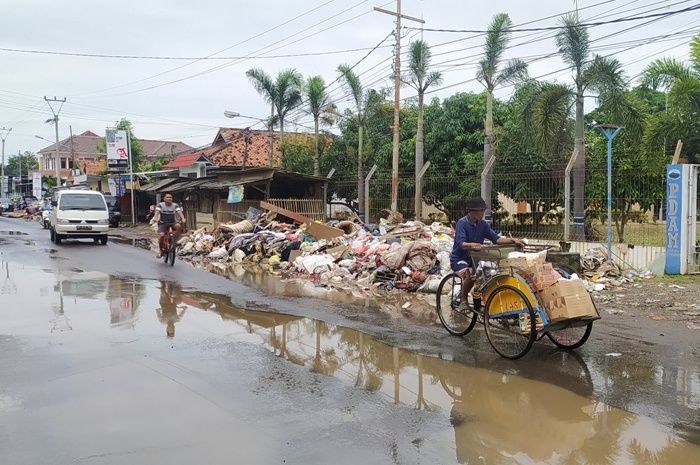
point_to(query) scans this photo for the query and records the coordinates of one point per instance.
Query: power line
(555, 28)
(233, 62)
(152, 57)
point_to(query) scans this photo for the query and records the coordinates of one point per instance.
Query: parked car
(4, 204)
(115, 214)
(79, 214)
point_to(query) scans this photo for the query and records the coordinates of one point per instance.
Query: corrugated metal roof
(160, 185)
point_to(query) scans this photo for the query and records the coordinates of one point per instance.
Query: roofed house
(84, 151)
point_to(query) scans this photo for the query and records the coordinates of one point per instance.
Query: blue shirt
(467, 231)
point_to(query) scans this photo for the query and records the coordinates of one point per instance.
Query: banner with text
(117, 150)
(36, 184)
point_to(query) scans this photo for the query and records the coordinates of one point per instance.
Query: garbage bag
(421, 256)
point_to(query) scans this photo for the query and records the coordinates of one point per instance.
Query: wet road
(107, 356)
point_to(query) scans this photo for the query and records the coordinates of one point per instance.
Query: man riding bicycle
(470, 233)
(169, 217)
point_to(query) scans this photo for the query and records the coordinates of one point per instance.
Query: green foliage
(26, 161)
(153, 165)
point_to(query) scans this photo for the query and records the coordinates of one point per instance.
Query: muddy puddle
(12, 233)
(491, 416)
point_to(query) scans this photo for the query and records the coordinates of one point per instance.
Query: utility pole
(72, 149)
(19, 158)
(397, 100)
(4, 132)
(55, 121)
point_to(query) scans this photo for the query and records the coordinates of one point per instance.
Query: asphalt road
(109, 356)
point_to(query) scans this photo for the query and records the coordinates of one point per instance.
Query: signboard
(117, 149)
(3, 186)
(235, 194)
(677, 183)
(112, 186)
(36, 184)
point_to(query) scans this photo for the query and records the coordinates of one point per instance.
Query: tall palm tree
(283, 94)
(600, 73)
(420, 78)
(321, 108)
(353, 84)
(489, 75)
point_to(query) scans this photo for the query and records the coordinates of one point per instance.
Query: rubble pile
(601, 273)
(409, 255)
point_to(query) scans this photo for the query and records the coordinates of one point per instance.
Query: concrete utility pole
(4, 132)
(397, 100)
(55, 121)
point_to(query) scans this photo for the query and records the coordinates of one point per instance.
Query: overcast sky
(100, 91)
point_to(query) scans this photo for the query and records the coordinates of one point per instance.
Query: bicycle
(170, 248)
(512, 316)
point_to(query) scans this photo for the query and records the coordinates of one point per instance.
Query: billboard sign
(677, 188)
(36, 184)
(117, 150)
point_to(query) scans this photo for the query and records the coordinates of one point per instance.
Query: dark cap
(476, 203)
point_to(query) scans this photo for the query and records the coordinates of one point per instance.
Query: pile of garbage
(601, 273)
(393, 255)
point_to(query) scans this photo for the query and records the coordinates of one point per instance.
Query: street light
(246, 135)
(609, 131)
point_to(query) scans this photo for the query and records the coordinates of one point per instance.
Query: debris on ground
(392, 255)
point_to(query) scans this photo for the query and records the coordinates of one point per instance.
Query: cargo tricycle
(513, 314)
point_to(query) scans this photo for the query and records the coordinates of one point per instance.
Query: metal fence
(527, 203)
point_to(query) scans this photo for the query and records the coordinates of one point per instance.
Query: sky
(212, 43)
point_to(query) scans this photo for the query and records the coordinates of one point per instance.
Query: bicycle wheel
(456, 319)
(571, 337)
(171, 252)
(504, 309)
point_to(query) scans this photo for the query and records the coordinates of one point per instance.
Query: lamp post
(246, 133)
(609, 131)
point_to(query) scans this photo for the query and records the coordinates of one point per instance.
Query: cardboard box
(567, 299)
(540, 276)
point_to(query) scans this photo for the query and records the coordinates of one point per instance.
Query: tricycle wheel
(571, 337)
(504, 309)
(456, 318)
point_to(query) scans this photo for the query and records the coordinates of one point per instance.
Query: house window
(63, 163)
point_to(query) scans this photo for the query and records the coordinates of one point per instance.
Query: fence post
(367, 179)
(419, 191)
(326, 208)
(567, 194)
(486, 187)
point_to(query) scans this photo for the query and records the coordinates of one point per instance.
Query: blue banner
(674, 218)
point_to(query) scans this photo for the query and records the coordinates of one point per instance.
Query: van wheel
(58, 238)
(103, 240)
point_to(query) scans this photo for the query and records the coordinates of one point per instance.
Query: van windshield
(81, 202)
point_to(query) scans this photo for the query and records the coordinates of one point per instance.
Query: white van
(79, 213)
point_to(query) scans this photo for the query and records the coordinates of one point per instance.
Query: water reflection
(171, 309)
(497, 416)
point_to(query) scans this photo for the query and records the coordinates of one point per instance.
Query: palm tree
(283, 94)
(321, 108)
(681, 82)
(352, 82)
(420, 79)
(488, 74)
(600, 73)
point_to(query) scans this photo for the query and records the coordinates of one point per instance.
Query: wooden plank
(283, 211)
(322, 231)
(677, 153)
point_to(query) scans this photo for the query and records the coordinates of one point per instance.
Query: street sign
(117, 150)
(36, 184)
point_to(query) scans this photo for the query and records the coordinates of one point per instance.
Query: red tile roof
(186, 160)
(229, 148)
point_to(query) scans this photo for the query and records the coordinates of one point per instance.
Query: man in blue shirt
(470, 233)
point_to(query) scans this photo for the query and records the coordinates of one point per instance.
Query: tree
(601, 74)
(283, 94)
(488, 74)
(353, 84)
(681, 120)
(26, 161)
(321, 108)
(421, 79)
